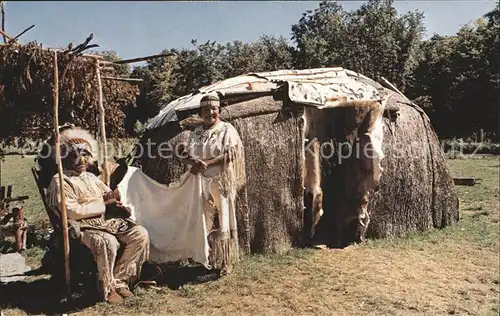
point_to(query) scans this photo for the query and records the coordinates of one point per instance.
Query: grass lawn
(453, 271)
(16, 171)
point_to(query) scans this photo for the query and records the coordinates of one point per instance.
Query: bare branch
(26, 30)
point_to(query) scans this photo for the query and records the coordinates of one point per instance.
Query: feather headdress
(81, 139)
(77, 137)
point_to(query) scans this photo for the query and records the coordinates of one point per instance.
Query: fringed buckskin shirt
(84, 201)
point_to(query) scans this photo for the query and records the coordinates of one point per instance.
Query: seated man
(87, 199)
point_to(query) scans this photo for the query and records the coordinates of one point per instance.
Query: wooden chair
(82, 265)
(12, 221)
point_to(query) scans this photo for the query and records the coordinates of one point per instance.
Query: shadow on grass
(42, 296)
(175, 276)
(47, 296)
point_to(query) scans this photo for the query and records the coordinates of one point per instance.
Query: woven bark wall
(417, 190)
(273, 140)
(274, 155)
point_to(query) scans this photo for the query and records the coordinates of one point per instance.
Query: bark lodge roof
(309, 86)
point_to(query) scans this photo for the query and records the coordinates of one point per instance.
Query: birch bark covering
(417, 191)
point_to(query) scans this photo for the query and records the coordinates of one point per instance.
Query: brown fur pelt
(368, 178)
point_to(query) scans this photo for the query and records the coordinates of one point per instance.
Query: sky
(141, 28)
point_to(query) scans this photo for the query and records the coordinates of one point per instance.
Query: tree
(167, 79)
(460, 76)
(111, 55)
(319, 36)
(268, 53)
(372, 40)
(155, 89)
(276, 53)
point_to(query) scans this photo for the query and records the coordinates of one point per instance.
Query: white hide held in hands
(173, 215)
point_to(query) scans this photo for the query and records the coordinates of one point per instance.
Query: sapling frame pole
(3, 21)
(103, 125)
(135, 60)
(412, 104)
(122, 79)
(5, 35)
(64, 216)
(24, 31)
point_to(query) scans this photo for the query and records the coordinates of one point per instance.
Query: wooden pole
(65, 50)
(26, 30)
(103, 126)
(135, 60)
(246, 221)
(3, 22)
(392, 86)
(64, 216)
(123, 79)
(5, 35)
(411, 103)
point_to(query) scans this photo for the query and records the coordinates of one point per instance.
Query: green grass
(452, 271)
(16, 171)
(458, 146)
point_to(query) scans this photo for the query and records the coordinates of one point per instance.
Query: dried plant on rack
(26, 83)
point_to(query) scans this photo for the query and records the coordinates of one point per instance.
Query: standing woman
(216, 152)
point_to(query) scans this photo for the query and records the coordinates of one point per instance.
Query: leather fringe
(223, 252)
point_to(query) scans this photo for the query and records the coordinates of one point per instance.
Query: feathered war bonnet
(73, 139)
(79, 141)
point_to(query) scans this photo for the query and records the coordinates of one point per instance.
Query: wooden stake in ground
(64, 216)
(103, 126)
